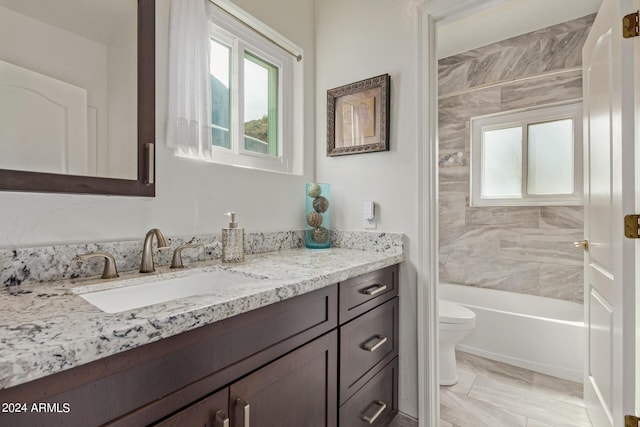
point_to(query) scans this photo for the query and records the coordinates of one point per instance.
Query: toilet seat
(453, 313)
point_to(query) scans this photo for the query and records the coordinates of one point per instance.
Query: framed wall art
(358, 117)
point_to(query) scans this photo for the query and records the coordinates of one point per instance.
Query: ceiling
(507, 19)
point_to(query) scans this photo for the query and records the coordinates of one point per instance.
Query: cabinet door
(208, 412)
(297, 390)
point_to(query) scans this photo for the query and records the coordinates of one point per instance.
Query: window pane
(502, 163)
(550, 158)
(260, 106)
(220, 93)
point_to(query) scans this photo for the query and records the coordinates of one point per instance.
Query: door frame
(429, 15)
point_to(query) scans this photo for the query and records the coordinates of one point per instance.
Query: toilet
(455, 322)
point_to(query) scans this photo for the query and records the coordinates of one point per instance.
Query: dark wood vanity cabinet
(297, 363)
(298, 389)
(368, 382)
(211, 411)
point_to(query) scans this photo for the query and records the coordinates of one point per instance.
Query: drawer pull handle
(374, 343)
(246, 411)
(374, 290)
(375, 416)
(221, 420)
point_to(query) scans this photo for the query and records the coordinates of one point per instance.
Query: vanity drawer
(362, 293)
(366, 344)
(376, 403)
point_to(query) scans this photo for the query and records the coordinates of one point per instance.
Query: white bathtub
(540, 334)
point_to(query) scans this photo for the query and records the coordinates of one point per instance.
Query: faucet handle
(110, 270)
(176, 262)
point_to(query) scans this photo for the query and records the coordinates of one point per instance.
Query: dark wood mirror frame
(13, 180)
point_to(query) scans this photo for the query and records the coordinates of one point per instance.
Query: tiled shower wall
(519, 249)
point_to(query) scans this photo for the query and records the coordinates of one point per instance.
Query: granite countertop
(46, 328)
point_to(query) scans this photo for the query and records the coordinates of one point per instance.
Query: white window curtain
(189, 110)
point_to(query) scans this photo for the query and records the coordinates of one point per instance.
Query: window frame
(232, 32)
(523, 118)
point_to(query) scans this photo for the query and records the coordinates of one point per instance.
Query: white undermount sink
(123, 298)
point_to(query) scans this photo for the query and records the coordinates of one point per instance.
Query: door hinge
(632, 226)
(631, 25)
(631, 421)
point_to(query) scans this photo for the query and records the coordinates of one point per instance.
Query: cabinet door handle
(245, 413)
(374, 417)
(374, 343)
(374, 290)
(221, 420)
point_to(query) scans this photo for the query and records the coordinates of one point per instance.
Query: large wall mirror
(77, 96)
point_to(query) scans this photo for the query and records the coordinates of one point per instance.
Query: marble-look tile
(454, 179)
(549, 49)
(466, 378)
(558, 388)
(451, 206)
(582, 23)
(524, 217)
(499, 371)
(530, 403)
(541, 90)
(564, 50)
(534, 423)
(511, 62)
(554, 246)
(452, 136)
(462, 410)
(452, 268)
(504, 387)
(564, 282)
(562, 217)
(521, 378)
(452, 77)
(474, 241)
(505, 275)
(532, 69)
(444, 423)
(459, 108)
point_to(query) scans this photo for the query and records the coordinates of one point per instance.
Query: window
(526, 158)
(256, 94)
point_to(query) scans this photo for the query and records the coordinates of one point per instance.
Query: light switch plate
(369, 214)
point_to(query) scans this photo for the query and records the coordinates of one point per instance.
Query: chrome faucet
(146, 265)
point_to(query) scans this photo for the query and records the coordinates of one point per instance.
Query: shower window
(527, 157)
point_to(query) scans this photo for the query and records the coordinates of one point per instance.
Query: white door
(608, 76)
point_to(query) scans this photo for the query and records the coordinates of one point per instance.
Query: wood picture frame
(358, 117)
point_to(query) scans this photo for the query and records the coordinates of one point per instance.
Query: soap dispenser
(232, 241)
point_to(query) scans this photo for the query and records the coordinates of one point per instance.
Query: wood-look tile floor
(402, 420)
(494, 394)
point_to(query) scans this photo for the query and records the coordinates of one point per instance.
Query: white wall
(191, 197)
(119, 156)
(64, 55)
(355, 40)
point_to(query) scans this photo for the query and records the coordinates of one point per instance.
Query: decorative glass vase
(318, 210)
